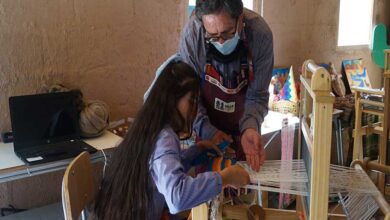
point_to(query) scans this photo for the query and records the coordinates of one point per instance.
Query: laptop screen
(44, 118)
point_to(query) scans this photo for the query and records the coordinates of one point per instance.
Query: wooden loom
(314, 148)
(317, 102)
(381, 128)
(315, 137)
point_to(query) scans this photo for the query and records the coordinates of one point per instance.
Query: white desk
(12, 168)
(273, 121)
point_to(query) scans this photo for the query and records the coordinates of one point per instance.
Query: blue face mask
(228, 46)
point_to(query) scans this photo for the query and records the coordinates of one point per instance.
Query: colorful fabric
(220, 163)
(280, 76)
(356, 73)
(289, 91)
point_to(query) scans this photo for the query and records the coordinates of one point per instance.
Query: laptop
(46, 127)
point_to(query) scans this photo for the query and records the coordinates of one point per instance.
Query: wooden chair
(78, 187)
(381, 128)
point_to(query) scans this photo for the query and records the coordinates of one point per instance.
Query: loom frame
(316, 132)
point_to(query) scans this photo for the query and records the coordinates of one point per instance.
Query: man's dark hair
(233, 8)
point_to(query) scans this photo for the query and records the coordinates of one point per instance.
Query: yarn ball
(94, 118)
(220, 163)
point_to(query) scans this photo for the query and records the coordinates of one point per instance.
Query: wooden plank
(373, 112)
(264, 199)
(273, 214)
(320, 160)
(387, 190)
(337, 217)
(320, 78)
(308, 138)
(317, 95)
(307, 104)
(367, 130)
(306, 82)
(235, 212)
(373, 103)
(378, 130)
(374, 165)
(358, 140)
(368, 91)
(321, 81)
(387, 62)
(324, 97)
(200, 212)
(312, 67)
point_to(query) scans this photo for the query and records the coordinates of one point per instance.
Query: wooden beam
(368, 91)
(374, 103)
(373, 112)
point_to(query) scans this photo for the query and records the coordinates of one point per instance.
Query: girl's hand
(221, 136)
(208, 145)
(235, 176)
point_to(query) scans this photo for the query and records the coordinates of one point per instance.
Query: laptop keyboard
(50, 150)
(45, 153)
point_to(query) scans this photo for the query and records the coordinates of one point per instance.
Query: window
(355, 22)
(248, 4)
(191, 6)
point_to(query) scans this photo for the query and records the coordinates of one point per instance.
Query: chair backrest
(78, 186)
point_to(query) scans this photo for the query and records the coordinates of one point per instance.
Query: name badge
(222, 106)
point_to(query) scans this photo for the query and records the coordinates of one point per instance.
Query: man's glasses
(224, 36)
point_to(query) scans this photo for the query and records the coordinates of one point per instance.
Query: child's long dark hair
(126, 189)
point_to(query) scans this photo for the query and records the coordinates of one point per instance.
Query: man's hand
(253, 148)
(220, 136)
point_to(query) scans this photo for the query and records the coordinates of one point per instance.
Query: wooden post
(383, 153)
(320, 160)
(317, 86)
(357, 142)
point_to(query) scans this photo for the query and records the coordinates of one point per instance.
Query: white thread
(271, 139)
(259, 194)
(105, 162)
(358, 206)
(273, 177)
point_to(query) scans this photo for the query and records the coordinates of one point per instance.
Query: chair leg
(63, 200)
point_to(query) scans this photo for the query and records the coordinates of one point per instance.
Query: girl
(147, 173)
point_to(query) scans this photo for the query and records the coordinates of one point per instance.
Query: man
(231, 48)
